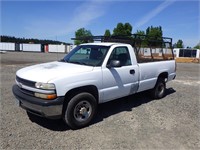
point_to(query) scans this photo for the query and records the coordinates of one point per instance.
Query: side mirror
(114, 64)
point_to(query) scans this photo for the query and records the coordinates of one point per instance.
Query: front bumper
(37, 106)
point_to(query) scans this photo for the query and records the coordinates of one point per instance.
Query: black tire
(159, 90)
(80, 110)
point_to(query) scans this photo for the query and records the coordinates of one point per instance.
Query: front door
(120, 81)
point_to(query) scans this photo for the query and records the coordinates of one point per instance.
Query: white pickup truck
(91, 74)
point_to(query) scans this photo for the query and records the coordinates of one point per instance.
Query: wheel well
(90, 89)
(163, 75)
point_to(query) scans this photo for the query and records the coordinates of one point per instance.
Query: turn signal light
(46, 96)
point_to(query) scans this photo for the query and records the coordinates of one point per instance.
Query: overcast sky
(60, 19)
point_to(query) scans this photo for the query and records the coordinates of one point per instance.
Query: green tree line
(13, 39)
(126, 30)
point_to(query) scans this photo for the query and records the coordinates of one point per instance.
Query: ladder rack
(134, 40)
(138, 42)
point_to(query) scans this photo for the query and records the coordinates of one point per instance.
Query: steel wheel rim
(82, 111)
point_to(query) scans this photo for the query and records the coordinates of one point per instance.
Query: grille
(27, 92)
(25, 82)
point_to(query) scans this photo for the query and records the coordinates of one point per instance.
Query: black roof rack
(138, 42)
(133, 39)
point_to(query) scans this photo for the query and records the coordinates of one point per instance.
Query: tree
(140, 32)
(174, 45)
(154, 32)
(107, 33)
(128, 28)
(154, 36)
(82, 32)
(197, 46)
(179, 44)
(25, 40)
(123, 29)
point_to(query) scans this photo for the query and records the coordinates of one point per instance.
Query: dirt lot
(134, 122)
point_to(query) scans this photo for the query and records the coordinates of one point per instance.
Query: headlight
(46, 86)
(46, 96)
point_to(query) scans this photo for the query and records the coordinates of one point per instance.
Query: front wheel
(159, 90)
(80, 110)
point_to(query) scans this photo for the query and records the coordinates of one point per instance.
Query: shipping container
(176, 52)
(17, 47)
(198, 53)
(43, 48)
(192, 53)
(30, 47)
(46, 48)
(68, 48)
(57, 48)
(7, 46)
(146, 52)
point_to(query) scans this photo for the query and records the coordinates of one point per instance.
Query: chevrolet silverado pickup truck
(94, 73)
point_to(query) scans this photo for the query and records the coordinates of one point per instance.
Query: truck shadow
(104, 110)
(51, 124)
(125, 104)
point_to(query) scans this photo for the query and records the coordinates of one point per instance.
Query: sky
(59, 19)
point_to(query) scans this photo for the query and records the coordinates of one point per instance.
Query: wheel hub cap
(82, 111)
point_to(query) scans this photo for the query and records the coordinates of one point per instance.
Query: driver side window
(121, 54)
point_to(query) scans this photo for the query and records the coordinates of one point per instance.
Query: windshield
(91, 55)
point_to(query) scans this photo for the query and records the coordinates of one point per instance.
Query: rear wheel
(159, 90)
(80, 110)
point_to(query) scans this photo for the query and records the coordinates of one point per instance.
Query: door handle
(132, 71)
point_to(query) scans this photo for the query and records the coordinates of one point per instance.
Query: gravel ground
(134, 122)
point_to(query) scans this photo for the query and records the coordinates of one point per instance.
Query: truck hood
(48, 71)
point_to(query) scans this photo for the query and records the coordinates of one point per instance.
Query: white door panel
(119, 82)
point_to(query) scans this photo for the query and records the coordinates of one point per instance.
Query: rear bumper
(45, 108)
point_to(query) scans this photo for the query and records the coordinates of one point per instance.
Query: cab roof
(104, 43)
